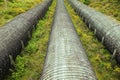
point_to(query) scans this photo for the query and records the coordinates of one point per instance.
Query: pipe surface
(65, 58)
(15, 34)
(106, 29)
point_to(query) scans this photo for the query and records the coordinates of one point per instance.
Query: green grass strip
(11, 8)
(29, 64)
(109, 7)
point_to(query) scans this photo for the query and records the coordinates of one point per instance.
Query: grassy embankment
(108, 7)
(11, 8)
(96, 52)
(29, 64)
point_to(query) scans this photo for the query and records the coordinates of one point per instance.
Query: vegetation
(87, 2)
(29, 64)
(11, 8)
(108, 7)
(96, 52)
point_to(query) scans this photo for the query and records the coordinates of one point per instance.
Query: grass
(9, 9)
(96, 52)
(29, 64)
(108, 7)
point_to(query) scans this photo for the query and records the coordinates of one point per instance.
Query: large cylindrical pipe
(15, 34)
(105, 28)
(65, 58)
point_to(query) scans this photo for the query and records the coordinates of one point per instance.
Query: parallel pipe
(15, 34)
(106, 29)
(65, 58)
